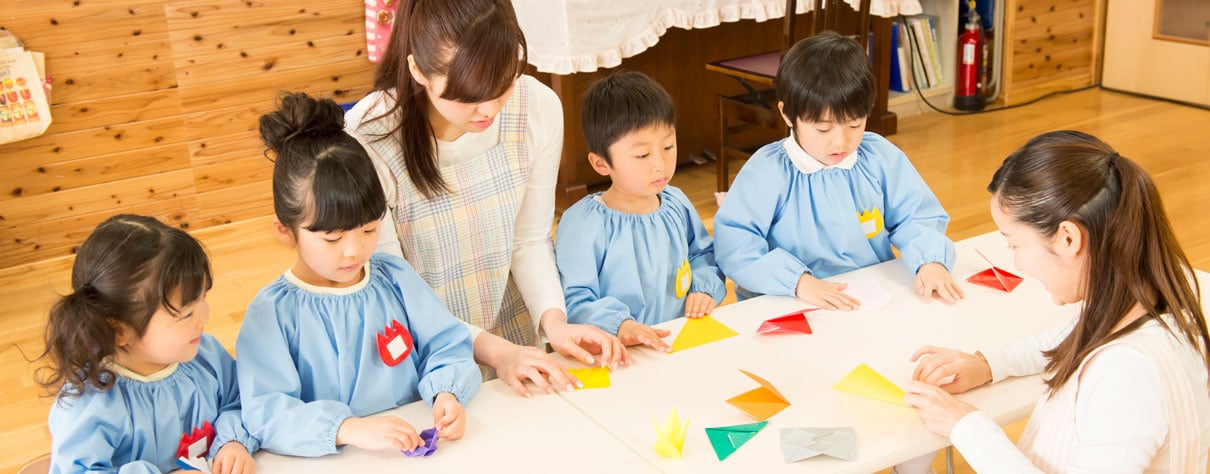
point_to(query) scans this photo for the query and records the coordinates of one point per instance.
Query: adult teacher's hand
(939, 410)
(938, 364)
(515, 364)
(582, 342)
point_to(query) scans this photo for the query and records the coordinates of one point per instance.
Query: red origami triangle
(996, 278)
(792, 323)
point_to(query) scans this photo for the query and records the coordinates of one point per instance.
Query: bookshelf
(906, 104)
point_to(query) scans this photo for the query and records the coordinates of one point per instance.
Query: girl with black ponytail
(139, 384)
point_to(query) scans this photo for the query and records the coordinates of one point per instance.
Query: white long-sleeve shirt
(1116, 409)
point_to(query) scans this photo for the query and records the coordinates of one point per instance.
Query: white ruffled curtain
(567, 36)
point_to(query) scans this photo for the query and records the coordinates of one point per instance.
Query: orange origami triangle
(760, 403)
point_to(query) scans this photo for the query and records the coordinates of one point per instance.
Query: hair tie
(88, 289)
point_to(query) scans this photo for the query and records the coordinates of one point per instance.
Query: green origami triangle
(727, 439)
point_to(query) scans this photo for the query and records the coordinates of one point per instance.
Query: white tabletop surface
(504, 433)
(804, 367)
(612, 429)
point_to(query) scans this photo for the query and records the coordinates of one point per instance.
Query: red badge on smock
(196, 443)
(394, 344)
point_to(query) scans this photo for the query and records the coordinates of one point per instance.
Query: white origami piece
(802, 443)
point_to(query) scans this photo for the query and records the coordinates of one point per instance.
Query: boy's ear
(599, 164)
(781, 110)
(417, 75)
(283, 233)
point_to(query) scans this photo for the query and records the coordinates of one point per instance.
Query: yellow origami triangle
(866, 382)
(596, 377)
(670, 437)
(703, 330)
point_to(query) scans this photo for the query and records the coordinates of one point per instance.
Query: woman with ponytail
(139, 384)
(1126, 387)
(467, 148)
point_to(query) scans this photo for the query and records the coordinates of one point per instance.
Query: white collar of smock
(808, 164)
(348, 290)
(130, 374)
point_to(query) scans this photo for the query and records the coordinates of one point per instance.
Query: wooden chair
(749, 120)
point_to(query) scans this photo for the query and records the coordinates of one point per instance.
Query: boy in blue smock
(831, 197)
(636, 254)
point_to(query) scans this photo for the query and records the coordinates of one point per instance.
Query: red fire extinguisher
(968, 83)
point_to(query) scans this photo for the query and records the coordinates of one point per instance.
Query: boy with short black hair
(832, 197)
(636, 254)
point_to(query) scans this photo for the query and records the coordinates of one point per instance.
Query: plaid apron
(461, 243)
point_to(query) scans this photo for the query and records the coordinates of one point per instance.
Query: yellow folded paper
(866, 382)
(699, 331)
(670, 437)
(596, 377)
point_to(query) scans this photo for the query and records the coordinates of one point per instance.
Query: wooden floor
(956, 156)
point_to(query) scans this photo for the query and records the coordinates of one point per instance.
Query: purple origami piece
(428, 447)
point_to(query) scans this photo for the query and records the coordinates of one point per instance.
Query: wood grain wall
(155, 106)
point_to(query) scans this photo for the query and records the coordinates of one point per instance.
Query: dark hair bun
(299, 114)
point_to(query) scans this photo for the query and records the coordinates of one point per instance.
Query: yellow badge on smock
(871, 222)
(684, 277)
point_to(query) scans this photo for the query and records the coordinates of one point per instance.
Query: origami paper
(793, 323)
(762, 402)
(699, 331)
(871, 293)
(596, 377)
(995, 278)
(727, 439)
(866, 382)
(428, 444)
(193, 464)
(868, 291)
(802, 443)
(670, 437)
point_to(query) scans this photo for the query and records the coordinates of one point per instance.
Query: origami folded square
(866, 382)
(428, 444)
(761, 402)
(595, 377)
(802, 443)
(995, 277)
(670, 437)
(699, 331)
(793, 323)
(727, 439)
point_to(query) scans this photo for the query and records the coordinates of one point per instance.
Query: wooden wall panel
(155, 106)
(93, 170)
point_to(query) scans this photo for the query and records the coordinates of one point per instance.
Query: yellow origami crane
(866, 382)
(595, 377)
(670, 438)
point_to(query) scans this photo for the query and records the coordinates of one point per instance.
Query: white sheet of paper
(869, 292)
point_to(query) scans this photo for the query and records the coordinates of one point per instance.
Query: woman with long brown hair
(1127, 380)
(467, 148)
